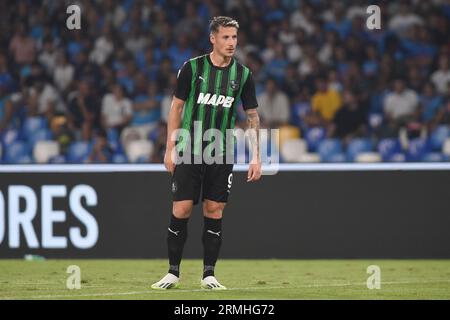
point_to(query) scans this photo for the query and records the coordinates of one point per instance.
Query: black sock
(212, 240)
(176, 238)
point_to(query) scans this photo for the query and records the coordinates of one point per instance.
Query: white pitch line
(318, 285)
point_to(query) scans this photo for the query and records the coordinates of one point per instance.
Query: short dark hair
(222, 21)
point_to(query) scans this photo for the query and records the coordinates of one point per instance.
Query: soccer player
(208, 88)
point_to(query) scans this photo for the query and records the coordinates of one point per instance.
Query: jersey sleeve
(183, 82)
(248, 95)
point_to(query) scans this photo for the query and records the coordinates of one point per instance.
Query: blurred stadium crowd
(337, 91)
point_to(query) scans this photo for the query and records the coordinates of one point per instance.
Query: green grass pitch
(246, 279)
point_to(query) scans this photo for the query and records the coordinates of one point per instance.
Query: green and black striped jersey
(211, 96)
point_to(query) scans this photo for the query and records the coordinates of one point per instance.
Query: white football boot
(169, 281)
(211, 283)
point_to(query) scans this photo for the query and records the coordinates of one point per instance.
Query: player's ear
(212, 38)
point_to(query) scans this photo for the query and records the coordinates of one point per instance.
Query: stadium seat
(268, 148)
(113, 139)
(153, 135)
(10, 136)
(78, 151)
(59, 159)
(39, 135)
(434, 157)
(24, 159)
(44, 150)
(446, 147)
(119, 158)
(17, 152)
(314, 136)
(438, 137)
(388, 147)
(292, 149)
(309, 158)
(396, 157)
(139, 150)
(356, 146)
(33, 124)
(328, 148)
(416, 149)
(336, 157)
(368, 157)
(287, 133)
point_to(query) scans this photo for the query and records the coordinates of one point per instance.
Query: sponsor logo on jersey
(215, 100)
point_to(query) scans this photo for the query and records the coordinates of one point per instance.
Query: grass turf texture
(245, 279)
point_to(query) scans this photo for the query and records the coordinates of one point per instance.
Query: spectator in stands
(401, 104)
(101, 151)
(430, 103)
(48, 56)
(48, 99)
(6, 77)
(441, 77)
(63, 73)
(159, 143)
(22, 47)
(61, 133)
(273, 106)
(350, 120)
(6, 109)
(117, 110)
(301, 108)
(325, 103)
(103, 47)
(404, 19)
(180, 51)
(167, 98)
(146, 114)
(84, 110)
(443, 114)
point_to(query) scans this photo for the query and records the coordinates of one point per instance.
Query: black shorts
(213, 179)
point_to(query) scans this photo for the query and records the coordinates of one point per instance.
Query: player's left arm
(250, 105)
(254, 170)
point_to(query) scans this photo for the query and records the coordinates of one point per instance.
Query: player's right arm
(180, 95)
(173, 123)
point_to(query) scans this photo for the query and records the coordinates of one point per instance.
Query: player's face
(225, 41)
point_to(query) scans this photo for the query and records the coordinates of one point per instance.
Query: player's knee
(182, 210)
(213, 210)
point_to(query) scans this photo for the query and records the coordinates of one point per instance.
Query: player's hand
(168, 161)
(254, 171)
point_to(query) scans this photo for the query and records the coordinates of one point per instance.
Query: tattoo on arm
(253, 125)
